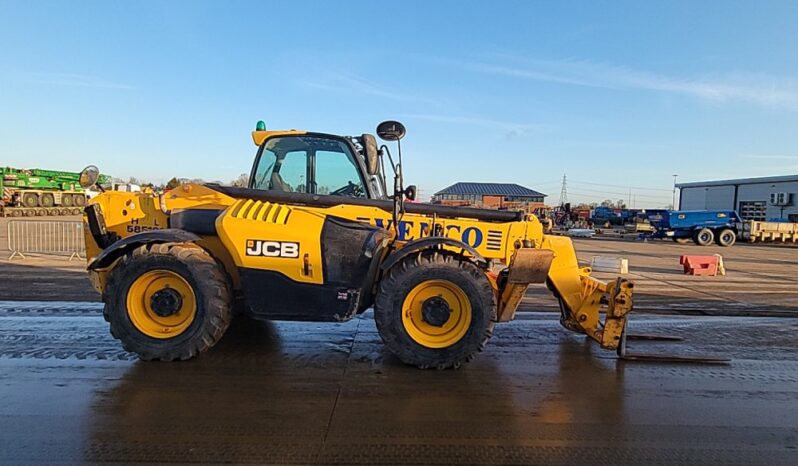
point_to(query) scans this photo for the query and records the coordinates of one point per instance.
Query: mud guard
(431, 242)
(121, 247)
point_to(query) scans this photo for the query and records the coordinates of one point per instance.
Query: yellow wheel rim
(436, 336)
(140, 304)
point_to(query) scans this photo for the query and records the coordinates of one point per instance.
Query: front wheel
(435, 309)
(168, 301)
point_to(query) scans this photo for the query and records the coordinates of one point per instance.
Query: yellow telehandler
(317, 236)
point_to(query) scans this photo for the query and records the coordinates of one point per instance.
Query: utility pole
(675, 207)
(563, 192)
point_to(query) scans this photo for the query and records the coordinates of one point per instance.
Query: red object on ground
(700, 265)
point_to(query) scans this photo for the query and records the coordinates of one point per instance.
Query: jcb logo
(258, 247)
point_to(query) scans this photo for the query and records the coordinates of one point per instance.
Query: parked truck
(37, 192)
(702, 226)
(608, 216)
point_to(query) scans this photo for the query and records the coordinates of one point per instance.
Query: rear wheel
(435, 309)
(726, 237)
(30, 200)
(704, 237)
(168, 301)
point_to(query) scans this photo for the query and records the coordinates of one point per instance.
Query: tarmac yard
(293, 393)
(298, 393)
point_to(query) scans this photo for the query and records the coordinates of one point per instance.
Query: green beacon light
(260, 126)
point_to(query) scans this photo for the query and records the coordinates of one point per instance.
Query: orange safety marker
(702, 265)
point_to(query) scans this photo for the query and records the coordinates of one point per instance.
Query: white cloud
(511, 130)
(350, 83)
(69, 79)
(770, 157)
(755, 89)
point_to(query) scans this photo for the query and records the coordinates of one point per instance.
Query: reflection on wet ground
(291, 393)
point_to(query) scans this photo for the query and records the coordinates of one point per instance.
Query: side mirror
(371, 153)
(391, 130)
(410, 192)
(88, 176)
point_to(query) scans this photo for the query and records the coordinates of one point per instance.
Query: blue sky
(616, 95)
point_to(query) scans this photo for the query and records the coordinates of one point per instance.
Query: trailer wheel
(168, 301)
(52, 211)
(16, 213)
(704, 237)
(66, 200)
(727, 237)
(41, 212)
(30, 200)
(435, 310)
(46, 200)
(29, 212)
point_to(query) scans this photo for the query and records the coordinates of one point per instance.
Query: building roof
(764, 179)
(490, 189)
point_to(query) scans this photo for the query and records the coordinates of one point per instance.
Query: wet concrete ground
(293, 393)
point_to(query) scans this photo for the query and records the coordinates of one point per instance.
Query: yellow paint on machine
(248, 222)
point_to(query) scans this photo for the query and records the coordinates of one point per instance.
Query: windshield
(308, 164)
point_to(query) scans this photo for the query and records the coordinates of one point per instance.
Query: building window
(753, 210)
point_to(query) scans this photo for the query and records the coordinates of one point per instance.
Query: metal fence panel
(46, 237)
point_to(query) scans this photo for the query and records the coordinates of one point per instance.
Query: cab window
(309, 164)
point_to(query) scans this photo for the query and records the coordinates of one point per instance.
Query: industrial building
(491, 196)
(770, 198)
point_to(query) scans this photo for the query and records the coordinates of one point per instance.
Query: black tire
(425, 266)
(41, 212)
(30, 200)
(29, 212)
(704, 237)
(46, 200)
(16, 213)
(66, 200)
(208, 281)
(726, 237)
(681, 240)
(79, 199)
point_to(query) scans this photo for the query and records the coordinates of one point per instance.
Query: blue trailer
(702, 226)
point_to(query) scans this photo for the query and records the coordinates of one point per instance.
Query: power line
(583, 191)
(621, 186)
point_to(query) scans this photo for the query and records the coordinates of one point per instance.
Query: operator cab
(317, 163)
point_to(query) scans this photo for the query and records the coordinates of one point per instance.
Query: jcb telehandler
(316, 236)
